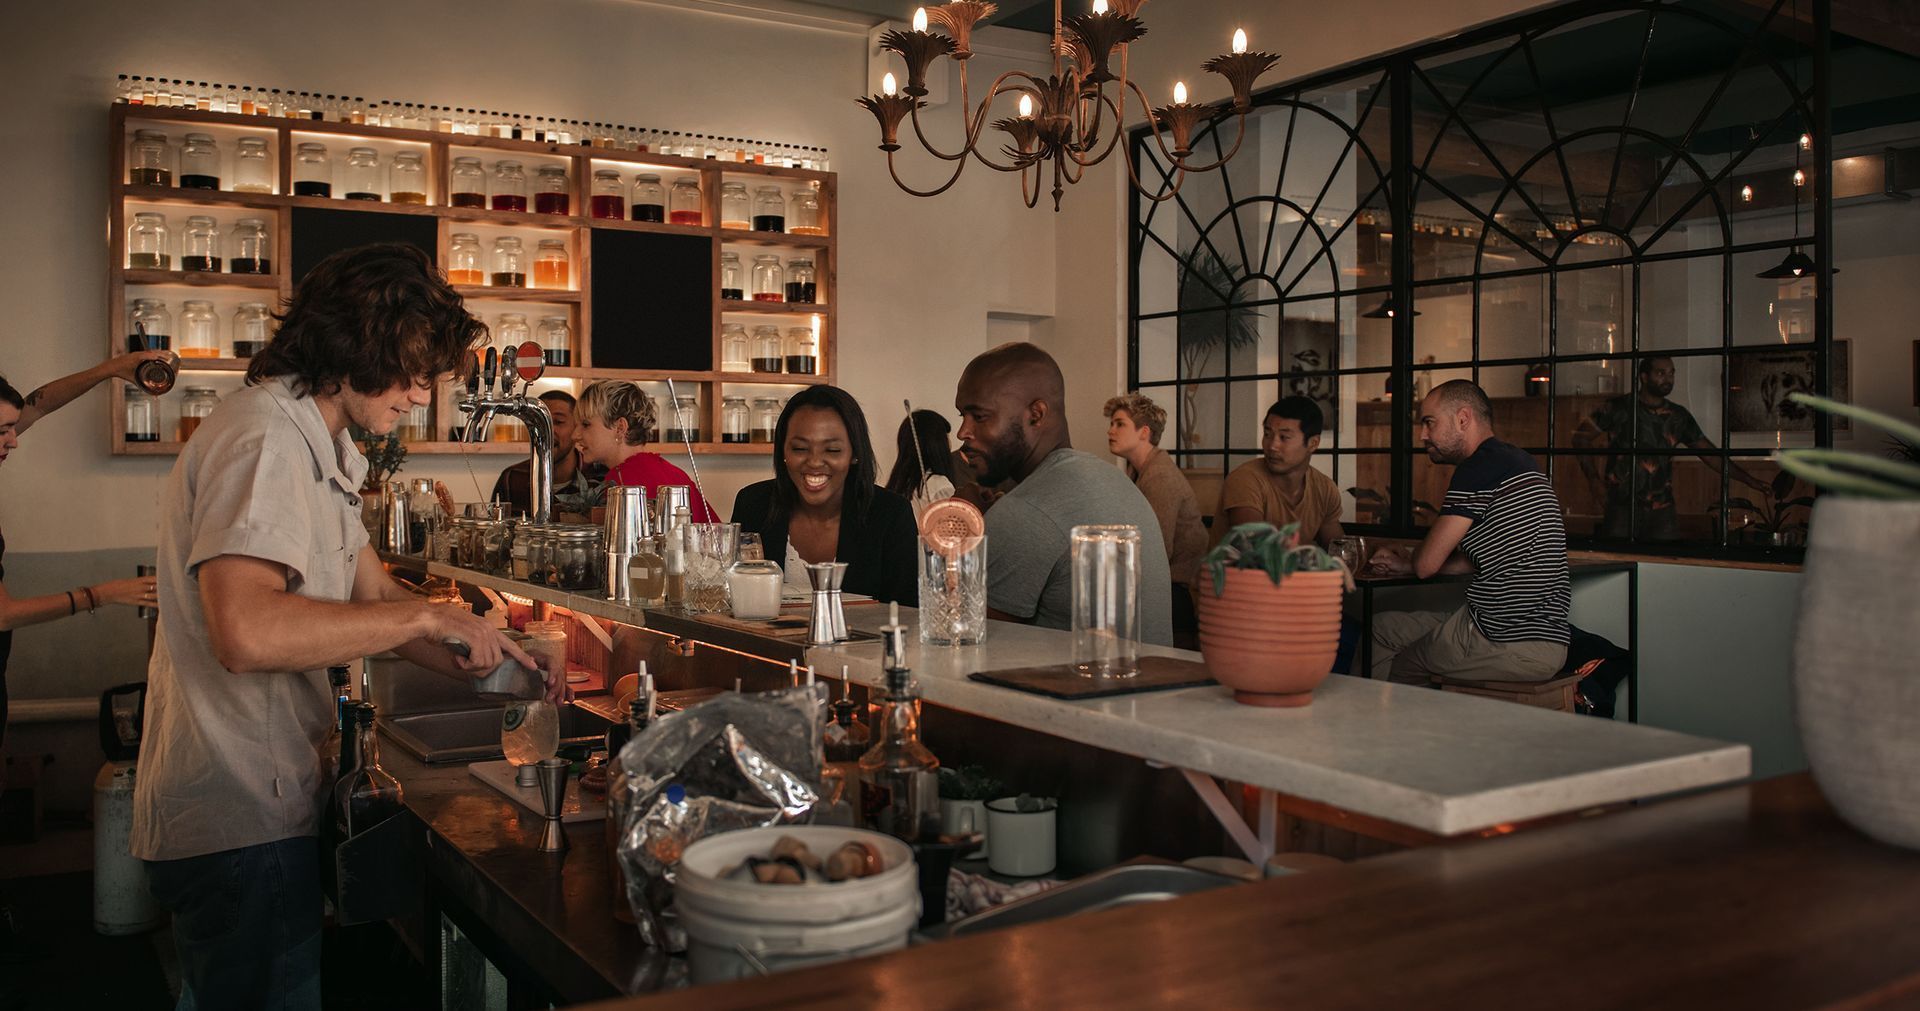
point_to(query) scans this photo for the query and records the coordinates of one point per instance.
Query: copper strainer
(952, 527)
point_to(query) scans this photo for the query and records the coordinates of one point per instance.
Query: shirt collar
(339, 460)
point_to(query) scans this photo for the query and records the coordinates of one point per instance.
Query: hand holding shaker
(1106, 600)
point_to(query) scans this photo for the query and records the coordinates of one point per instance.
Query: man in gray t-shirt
(1013, 424)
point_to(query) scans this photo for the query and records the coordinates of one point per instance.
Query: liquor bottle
(899, 777)
(639, 714)
(331, 753)
(368, 795)
(842, 744)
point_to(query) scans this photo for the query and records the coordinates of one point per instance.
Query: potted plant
(384, 456)
(1270, 614)
(1210, 320)
(1856, 692)
(1775, 524)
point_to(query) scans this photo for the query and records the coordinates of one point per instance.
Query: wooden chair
(1558, 694)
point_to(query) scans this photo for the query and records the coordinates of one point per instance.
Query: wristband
(92, 601)
(73, 608)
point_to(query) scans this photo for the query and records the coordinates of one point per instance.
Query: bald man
(1013, 424)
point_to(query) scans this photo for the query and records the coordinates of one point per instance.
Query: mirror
(531, 361)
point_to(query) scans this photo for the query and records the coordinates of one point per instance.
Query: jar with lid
(766, 418)
(312, 171)
(149, 326)
(803, 211)
(734, 348)
(199, 163)
(199, 330)
(361, 178)
(736, 208)
(199, 403)
(529, 552)
(141, 422)
(249, 248)
(149, 159)
(200, 245)
(509, 186)
(683, 421)
(552, 268)
(754, 589)
(801, 280)
(252, 329)
(556, 340)
(467, 184)
(407, 179)
(609, 201)
(735, 422)
(463, 259)
(252, 169)
(683, 204)
(766, 350)
(509, 263)
(803, 351)
(512, 330)
(732, 285)
(648, 200)
(419, 429)
(769, 210)
(769, 281)
(575, 558)
(551, 192)
(149, 245)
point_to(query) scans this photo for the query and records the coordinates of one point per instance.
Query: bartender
(265, 581)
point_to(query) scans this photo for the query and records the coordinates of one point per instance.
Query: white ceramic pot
(960, 817)
(1856, 663)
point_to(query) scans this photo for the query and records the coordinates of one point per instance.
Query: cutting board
(579, 806)
(1061, 681)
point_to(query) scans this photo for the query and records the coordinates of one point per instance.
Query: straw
(692, 464)
(914, 430)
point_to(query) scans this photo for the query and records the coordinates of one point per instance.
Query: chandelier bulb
(1099, 6)
(1179, 92)
(920, 19)
(1239, 40)
(1806, 142)
(1799, 178)
(888, 86)
(1746, 194)
(1026, 106)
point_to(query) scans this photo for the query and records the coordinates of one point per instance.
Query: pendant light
(1795, 263)
(1385, 310)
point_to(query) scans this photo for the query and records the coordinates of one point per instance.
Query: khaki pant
(1410, 645)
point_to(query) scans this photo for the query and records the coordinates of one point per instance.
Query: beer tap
(487, 398)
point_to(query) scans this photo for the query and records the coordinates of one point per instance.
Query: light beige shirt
(1171, 495)
(230, 760)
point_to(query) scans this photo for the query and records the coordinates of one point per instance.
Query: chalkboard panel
(652, 301)
(319, 233)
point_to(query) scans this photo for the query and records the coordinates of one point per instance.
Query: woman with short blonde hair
(616, 418)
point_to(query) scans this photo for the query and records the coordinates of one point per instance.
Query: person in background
(906, 479)
(1134, 424)
(822, 504)
(614, 421)
(265, 581)
(1501, 522)
(576, 485)
(1013, 423)
(1283, 486)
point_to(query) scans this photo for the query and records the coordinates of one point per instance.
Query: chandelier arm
(1179, 177)
(973, 129)
(1161, 144)
(958, 168)
(1111, 141)
(1237, 140)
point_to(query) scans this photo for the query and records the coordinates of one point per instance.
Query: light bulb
(1179, 92)
(888, 85)
(1099, 6)
(1746, 194)
(1806, 142)
(920, 19)
(1239, 40)
(1799, 178)
(1026, 106)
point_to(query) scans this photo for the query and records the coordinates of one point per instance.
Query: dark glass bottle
(369, 794)
(899, 777)
(639, 714)
(332, 752)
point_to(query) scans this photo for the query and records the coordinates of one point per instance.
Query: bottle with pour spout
(899, 777)
(639, 715)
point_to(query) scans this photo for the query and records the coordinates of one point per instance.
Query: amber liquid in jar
(476, 200)
(650, 212)
(609, 207)
(509, 279)
(763, 435)
(250, 265)
(151, 176)
(187, 427)
(466, 276)
(206, 263)
(685, 217)
(509, 202)
(407, 197)
(553, 203)
(198, 182)
(199, 352)
(548, 274)
(742, 225)
(769, 222)
(807, 230)
(150, 261)
(766, 365)
(800, 291)
(800, 365)
(312, 189)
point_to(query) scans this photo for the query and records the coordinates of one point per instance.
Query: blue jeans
(247, 924)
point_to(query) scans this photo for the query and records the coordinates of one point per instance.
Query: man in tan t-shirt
(1134, 423)
(1282, 486)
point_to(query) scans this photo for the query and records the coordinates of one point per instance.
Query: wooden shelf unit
(576, 303)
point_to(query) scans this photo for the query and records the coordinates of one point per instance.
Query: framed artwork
(1759, 385)
(1312, 345)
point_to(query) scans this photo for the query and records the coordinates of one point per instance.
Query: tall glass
(1106, 600)
(953, 594)
(710, 551)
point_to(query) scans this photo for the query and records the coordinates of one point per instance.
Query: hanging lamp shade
(1385, 310)
(1794, 264)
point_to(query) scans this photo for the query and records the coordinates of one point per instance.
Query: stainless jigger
(553, 797)
(828, 623)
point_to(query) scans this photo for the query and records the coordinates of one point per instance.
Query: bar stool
(1558, 694)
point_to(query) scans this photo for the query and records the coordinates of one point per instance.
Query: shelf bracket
(1257, 845)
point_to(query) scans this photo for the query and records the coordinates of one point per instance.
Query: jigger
(828, 623)
(553, 797)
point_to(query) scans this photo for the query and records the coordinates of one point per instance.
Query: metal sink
(471, 735)
(1126, 885)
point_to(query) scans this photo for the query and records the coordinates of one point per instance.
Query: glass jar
(199, 163)
(200, 245)
(648, 199)
(141, 423)
(149, 326)
(766, 418)
(149, 244)
(736, 208)
(801, 280)
(735, 422)
(252, 168)
(732, 289)
(249, 249)
(199, 403)
(252, 329)
(361, 178)
(683, 204)
(803, 351)
(149, 159)
(463, 259)
(556, 339)
(529, 553)
(312, 171)
(769, 281)
(683, 420)
(575, 558)
(512, 330)
(199, 330)
(407, 179)
(509, 186)
(609, 201)
(552, 268)
(803, 211)
(734, 355)
(754, 589)
(467, 184)
(769, 210)
(419, 429)
(509, 263)
(551, 193)
(767, 349)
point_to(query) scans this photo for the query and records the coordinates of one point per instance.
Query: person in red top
(614, 420)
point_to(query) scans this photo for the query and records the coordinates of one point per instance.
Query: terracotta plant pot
(1272, 645)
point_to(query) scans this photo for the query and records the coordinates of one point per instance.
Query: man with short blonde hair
(1134, 423)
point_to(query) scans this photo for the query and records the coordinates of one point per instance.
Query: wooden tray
(1061, 681)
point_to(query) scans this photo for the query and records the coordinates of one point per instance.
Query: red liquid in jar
(768, 296)
(509, 202)
(685, 217)
(650, 212)
(552, 203)
(478, 200)
(610, 207)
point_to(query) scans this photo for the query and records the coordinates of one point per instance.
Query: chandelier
(1061, 118)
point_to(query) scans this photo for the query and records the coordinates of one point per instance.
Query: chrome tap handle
(507, 355)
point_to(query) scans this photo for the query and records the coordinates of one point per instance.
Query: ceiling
(1025, 15)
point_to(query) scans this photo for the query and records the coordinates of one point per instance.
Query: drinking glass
(953, 593)
(710, 552)
(750, 548)
(1348, 550)
(1106, 600)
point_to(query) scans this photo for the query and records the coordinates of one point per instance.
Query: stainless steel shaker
(627, 527)
(395, 521)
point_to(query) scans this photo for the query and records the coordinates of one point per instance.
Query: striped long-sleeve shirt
(1517, 543)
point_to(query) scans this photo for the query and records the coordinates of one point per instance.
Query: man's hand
(485, 644)
(1387, 563)
(557, 691)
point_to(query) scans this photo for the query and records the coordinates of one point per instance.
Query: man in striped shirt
(1500, 521)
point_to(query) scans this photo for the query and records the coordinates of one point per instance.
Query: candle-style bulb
(1099, 6)
(1026, 106)
(1239, 40)
(1799, 178)
(1179, 92)
(887, 85)
(920, 19)
(893, 612)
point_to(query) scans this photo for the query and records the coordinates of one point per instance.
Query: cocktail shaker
(144, 571)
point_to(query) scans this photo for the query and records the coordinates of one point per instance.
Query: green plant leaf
(1894, 426)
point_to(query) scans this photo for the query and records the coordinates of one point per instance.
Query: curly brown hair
(372, 317)
(1142, 411)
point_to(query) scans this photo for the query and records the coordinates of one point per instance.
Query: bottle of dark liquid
(899, 777)
(845, 740)
(639, 714)
(332, 752)
(369, 794)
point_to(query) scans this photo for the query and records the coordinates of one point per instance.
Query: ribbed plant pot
(1272, 645)
(1856, 663)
